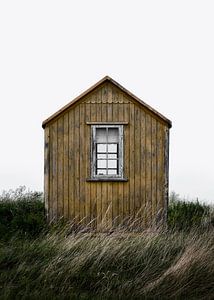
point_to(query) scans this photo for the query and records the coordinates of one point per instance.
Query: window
(107, 151)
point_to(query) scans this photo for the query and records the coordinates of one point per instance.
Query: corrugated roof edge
(56, 114)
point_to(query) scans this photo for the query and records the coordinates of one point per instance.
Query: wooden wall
(67, 163)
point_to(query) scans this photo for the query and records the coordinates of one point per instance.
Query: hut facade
(106, 159)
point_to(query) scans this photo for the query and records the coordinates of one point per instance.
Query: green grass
(22, 212)
(184, 215)
(37, 262)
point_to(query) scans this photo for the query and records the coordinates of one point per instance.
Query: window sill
(107, 179)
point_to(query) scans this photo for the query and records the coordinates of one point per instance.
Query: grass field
(40, 262)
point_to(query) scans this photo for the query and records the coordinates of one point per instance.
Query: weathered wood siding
(67, 163)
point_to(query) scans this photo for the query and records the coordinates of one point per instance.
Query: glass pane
(101, 135)
(112, 172)
(112, 156)
(102, 156)
(113, 135)
(101, 148)
(112, 148)
(101, 164)
(112, 163)
(101, 172)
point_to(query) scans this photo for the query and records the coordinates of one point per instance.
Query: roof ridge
(57, 113)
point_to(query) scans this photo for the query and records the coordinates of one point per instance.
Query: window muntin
(107, 151)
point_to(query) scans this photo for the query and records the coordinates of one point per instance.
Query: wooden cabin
(106, 160)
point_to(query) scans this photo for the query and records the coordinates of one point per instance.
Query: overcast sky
(162, 51)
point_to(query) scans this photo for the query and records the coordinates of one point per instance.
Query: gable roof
(92, 88)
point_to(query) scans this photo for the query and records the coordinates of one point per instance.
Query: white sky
(162, 51)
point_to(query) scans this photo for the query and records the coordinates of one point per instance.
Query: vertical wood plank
(143, 167)
(104, 185)
(88, 164)
(109, 112)
(126, 163)
(99, 95)
(160, 170)
(110, 184)
(104, 105)
(137, 171)
(60, 164)
(115, 95)
(166, 173)
(99, 205)
(99, 184)
(47, 172)
(115, 187)
(77, 162)
(54, 170)
(71, 187)
(51, 174)
(66, 167)
(148, 169)
(120, 184)
(154, 169)
(132, 161)
(110, 93)
(82, 154)
(105, 94)
(93, 184)
(99, 106)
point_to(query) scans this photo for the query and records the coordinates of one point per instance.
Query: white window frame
(120, 153)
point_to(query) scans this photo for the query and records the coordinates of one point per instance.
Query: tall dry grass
(58, 262)
(120, 265)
